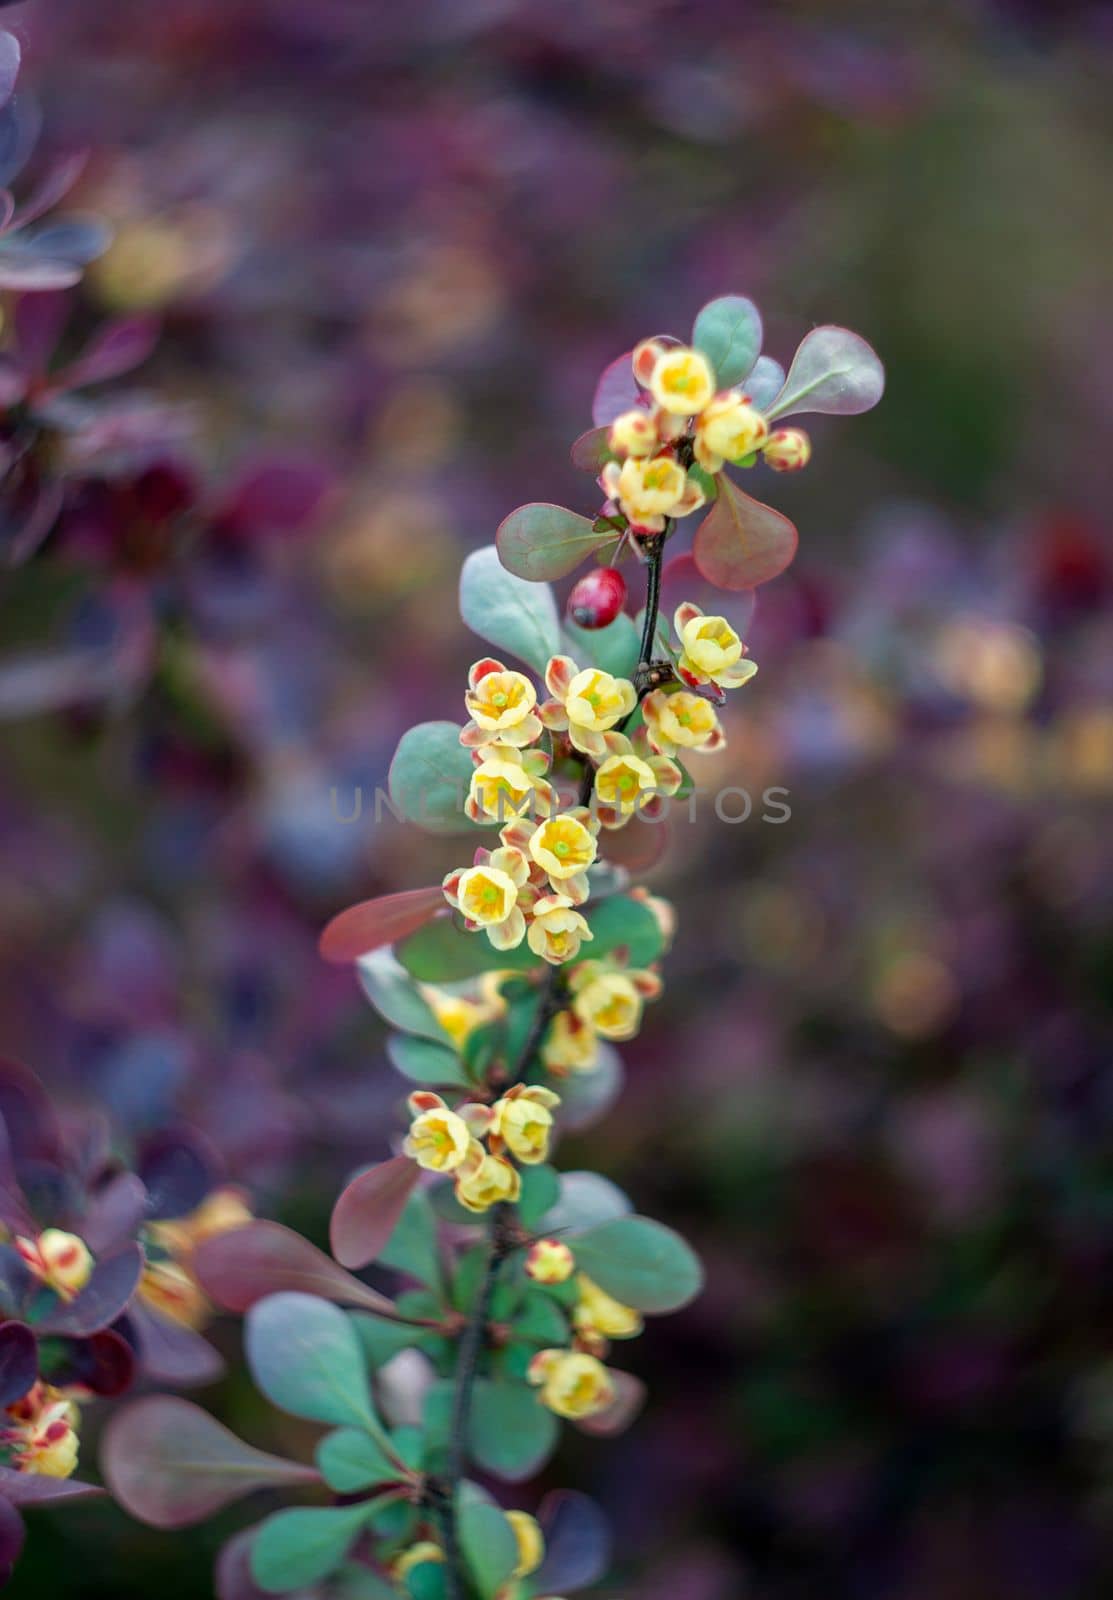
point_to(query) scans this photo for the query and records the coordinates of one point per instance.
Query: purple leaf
(170, 1353)
(53, 187)
(276, 496)
(592, 450)
(765, 382)
(19, 1361)
(368, 1210)
(372, 923)
(233, 1580)
(13, 1204)
(27, 1110)
(577, 1543)
(25, 271)
(617, 391)
(741, 543)
(104, 1364)
(102, 1300)
(241, 1266)
(33, 1489)
(833, 371)
(629, 1398)
(114, 1213)
(170, 1464)
(116, 349)
(9, 65)
(12, 1535)
(178, 1168)
(73, 239)
(541, 542)
(682, 580)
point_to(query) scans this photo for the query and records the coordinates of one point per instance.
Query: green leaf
(542, 542)
(427, 1581)
(587, 1096)
(833, 371)
(422, 1061)
(413, 1247)
(510, 1433)
(540, 1192)
(293, 1549)
(381, 1339)
(640, 1262)
(396, 997)
(541, 1320)
(507, 611)
(430, 776)
(305, 1356)
(621, 922)
(614, 648)
(351, 1460)
(442, 952)
(487, 1539)
(728, 332)
(586, 1199)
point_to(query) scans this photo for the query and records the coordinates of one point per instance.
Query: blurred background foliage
(392, 246)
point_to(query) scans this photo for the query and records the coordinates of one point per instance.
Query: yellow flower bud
(570, 1044)
(610, 1005)
(682, 381)
(416, 1556)
(633, 434)
(523, 1120)
(485, 1180)
(556, 930)
(550, 1261)
(572, 1383)
(597, 1312)
(172, 1290)
(531, 1542)
(788, 450)
(729, 429)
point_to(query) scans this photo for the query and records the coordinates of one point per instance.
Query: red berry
(598, 598)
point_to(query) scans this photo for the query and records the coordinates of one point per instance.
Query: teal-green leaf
(510, 613)
(305, 1356)
(541, 1320)
(487, 1539)
(510, 1433)
(427, 1581)
(430, 776)
(424, 1062)
(728, 332)
(413, 1247)
(442, 952)
(585, 1097)
(614, 648)
(351, 1460)
(621, 922)
(586, 1200)
(396, 997)
(293, 1549)
(540, 1192)
(540, 542)
(834, 371)
(640, 1262)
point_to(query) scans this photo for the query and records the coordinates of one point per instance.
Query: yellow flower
(711, 651)
(550, 1261)
(486, 1180)
(572, 1384)
(633, 434)
(649, 491)
(564, 847)
(459, 1015)
(610, 999)
(170, 1289)
(729, 429)
(60, 1260)
(681, 721)
(597, 1312)
(219, 1212)
(505, 782)
(523, 1121)
(632, 780)
(41, 1432)
(570, 1045)
(587, 703)
(557, 931)
(531, 1543)
(682, 381)
(487, 894)
(788, 450)
(438, 1139)
(501, 706)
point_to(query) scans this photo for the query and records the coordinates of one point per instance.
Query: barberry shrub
(508, 987)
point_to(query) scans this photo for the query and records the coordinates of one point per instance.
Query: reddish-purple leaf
(368, 1210)
(615, 392)
(19, 1361)
(629, 1397)
(577, 1543)
(682, 580)
(114, 1213)
(373, 923)
(169, 1353)
(241, 1266)
(276, 496)
(103, 1299)
(541, 542)
(54, 186)
(13, 1206)
(118, 348)
(12, 1535)
(179, 1168)
(33, 1489)
(103, 1364)
(591, 450)
(30, 1117)
(170, 1464)
(741, 543)
(38, 321)
(232, 1577)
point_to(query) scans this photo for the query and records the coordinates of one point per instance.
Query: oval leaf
(640, 1262)
(488, 1541)
(372, 923)
(833, 371)
(19, 1361)
(541, 542)
(741, 543)
(429, 777)
(102, 1300)
(396, 997)
(368, 1210)
(765, 382)
(422, 1061)
(577, 1543)
(34, 1489)
(510, 1434)
(592, 450)
(622, 923)
(629, 1398)
(508, 611)
(350, 1461)
(293, 1549)
(304, 1355)
(728, 331)
(445, 953)
(170, 1464)
(240, 1267)
(613, 648)
(586, 1200)
(616, 391)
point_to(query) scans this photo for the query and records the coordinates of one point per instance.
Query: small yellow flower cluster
(39, 1432)
(168, 1284)
(683, 412)
(520, 1125)
(607, 1000)
(531, 885)
(60, 1260)
(574, 1382)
